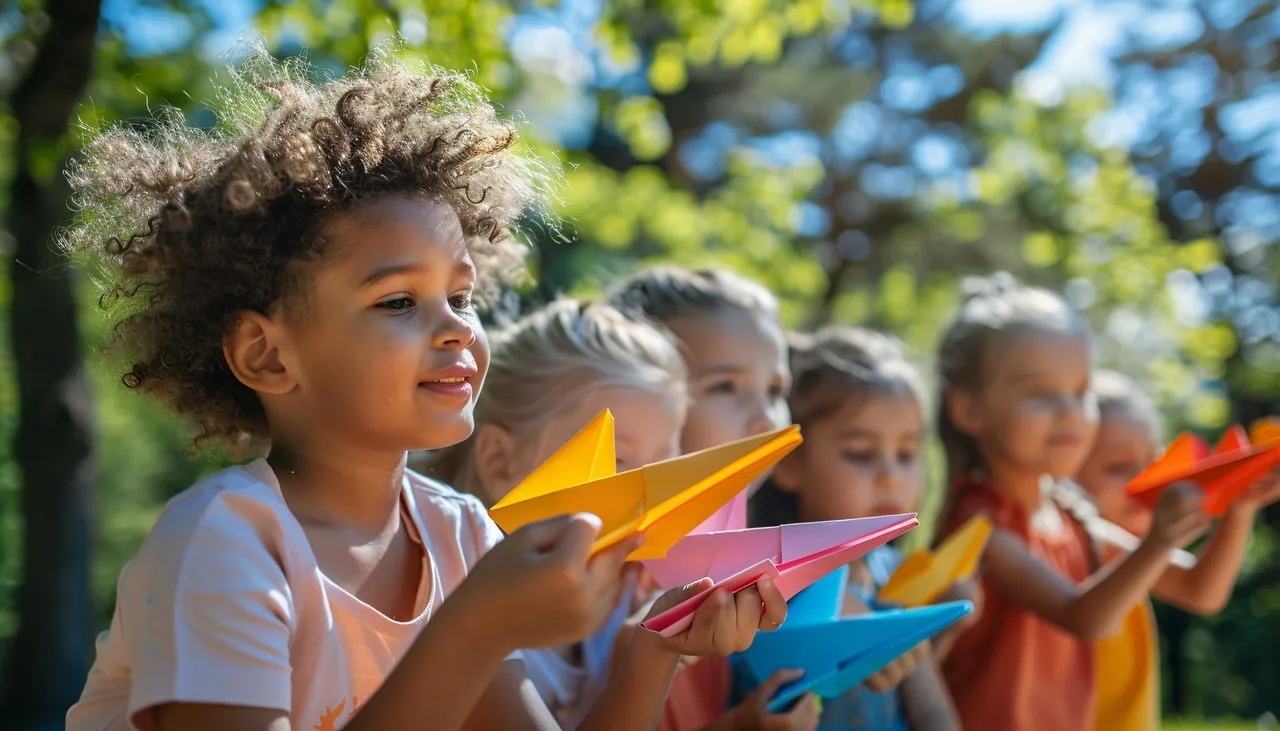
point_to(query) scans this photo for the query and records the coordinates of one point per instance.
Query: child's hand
(1261, 493)
(969, 590)
(891, 675)
(541, 587)
(753, 712)
(725, 623)
(1179, 516)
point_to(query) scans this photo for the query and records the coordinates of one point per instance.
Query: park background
(857, 157)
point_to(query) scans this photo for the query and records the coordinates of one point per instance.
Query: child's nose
(453, 333)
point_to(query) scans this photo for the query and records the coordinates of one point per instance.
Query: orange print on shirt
(328, 721)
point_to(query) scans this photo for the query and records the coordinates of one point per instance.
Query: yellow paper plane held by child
(664, 501)
(923, 577)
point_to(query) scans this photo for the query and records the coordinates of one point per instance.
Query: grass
(1200, 725)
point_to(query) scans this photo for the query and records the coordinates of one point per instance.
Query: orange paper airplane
(923, 577)
(664, 501)
(1238, 461)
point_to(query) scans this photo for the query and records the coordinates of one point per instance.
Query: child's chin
(446, 431)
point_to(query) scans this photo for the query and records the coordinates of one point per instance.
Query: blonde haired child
(303, 280)
(1017, 415)
(729, 333)
(552, 371)
(861, 405)
(1129, 434)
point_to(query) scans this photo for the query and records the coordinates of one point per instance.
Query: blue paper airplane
(837, 654)
(820, 602)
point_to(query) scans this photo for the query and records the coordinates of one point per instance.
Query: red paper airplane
(1225, 473)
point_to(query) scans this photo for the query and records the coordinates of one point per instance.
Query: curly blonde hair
(188, 227)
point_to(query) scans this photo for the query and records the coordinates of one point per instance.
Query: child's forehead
(394, 232)
(1038, 351)
(730, 334)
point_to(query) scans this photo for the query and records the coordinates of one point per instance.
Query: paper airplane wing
(1224, 474)
(732, 516)
(838, 655)
(558, 485)
(820, 602)
(795, 555)
(683, 492)
(925, 576)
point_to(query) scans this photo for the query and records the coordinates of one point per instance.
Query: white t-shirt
(224, 603)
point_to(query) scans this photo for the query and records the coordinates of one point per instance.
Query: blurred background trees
(857, 157)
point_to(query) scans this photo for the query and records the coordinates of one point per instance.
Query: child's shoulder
(232, 521)
(441, 496)
(976, 495)
(441, 507)
(244, 496)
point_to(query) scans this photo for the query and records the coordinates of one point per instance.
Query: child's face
(646, 426)
(388, 354)
(739, 377)
(1036, 413)
(861, 461)
(1123, 449)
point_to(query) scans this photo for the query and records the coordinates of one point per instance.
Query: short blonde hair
(554, 357)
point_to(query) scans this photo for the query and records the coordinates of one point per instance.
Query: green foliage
(1033, 192)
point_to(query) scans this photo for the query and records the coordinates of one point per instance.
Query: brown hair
(191, 227)
(665, 293)
(1118, 394)
(830, 367)
(995, 308)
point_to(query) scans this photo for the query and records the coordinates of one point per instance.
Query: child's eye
(461, 302)
(907, 457)
(399, 304)
(722, 387)
(776, 391)
(861, 457)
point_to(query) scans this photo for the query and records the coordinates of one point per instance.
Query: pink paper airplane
(794, 555)
(733, 516)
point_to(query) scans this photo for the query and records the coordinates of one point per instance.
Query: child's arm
(1093, 610)
(926, 701)
(1206, 587)
(535, 588)
(970, 590)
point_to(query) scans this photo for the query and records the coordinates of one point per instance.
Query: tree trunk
(49, 657)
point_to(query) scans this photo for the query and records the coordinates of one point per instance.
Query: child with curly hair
(304, 282)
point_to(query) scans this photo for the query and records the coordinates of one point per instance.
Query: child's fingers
(775, 607)
(609, 562)
(771, 684)
(805, 714)
(747, 610)
(701, 638)
(567, 536)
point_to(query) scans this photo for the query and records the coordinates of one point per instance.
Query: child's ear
(253, 351)
(493, 455)
(786, 474)
(962, 409)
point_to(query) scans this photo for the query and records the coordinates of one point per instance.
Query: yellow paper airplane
(664, 501)
(923, 577)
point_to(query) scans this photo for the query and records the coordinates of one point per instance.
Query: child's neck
(1021, 485)
(339, 486)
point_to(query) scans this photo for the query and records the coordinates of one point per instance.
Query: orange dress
(1012, 669)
